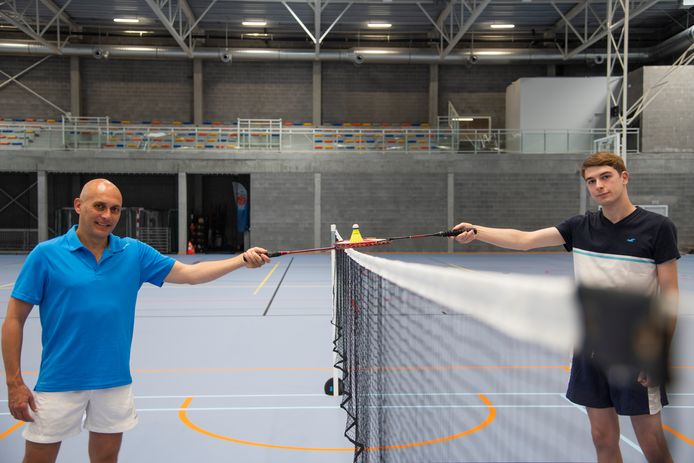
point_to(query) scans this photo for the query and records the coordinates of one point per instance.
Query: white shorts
(61, 414)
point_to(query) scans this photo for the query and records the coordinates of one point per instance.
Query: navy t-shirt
(623, 254)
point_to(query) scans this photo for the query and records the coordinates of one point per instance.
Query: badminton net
(446, 365)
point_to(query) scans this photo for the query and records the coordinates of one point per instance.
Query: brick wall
(257, 90)
(375, 93)
(386, 205)
(667, 123)
(50, 79)
(137, 90)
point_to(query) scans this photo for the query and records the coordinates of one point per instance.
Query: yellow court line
(678, 434)
(265, 279)
(16, 426)
(182, 415)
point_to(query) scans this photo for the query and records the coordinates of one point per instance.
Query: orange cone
(191, 250)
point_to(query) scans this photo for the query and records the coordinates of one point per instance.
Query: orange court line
(182, 415)
(678, 434)
(12, 429)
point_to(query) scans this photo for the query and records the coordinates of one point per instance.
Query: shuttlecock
(356, 235)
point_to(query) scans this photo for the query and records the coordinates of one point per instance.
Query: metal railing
(18, 239)
(275, 137)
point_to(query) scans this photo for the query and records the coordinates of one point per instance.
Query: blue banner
(241, 207)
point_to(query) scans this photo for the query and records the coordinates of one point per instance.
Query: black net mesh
(418, 378)
(424, 383)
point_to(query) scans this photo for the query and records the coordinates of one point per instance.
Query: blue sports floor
(234, 371)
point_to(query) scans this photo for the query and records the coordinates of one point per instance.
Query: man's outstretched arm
(19, 396)
(202, 272)
(509, 238)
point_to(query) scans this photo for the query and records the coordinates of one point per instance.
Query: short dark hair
(603, 158)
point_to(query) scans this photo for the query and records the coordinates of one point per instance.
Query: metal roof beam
(17, 20)
(602, 31)
(303, 26)
(64, 17)
(178, 35)
(334, 22)
(568, 16)
(465, 26)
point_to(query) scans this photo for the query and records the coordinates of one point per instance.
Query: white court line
(7, 285)
(425, 394)
(629, 442)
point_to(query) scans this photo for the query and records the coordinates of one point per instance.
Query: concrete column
(317, 94)
(197, 92)
(42, 207)
(451, 206)
(182, 213)
(316, 210)
(75, 87)
(433, 95)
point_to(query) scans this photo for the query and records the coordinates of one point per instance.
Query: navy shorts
(591, 386)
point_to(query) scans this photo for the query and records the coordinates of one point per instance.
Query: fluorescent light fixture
(252, 51)
(254, 23)
(129, 48)
(126, 20)
(139, 32)
(373, 51)
(256, 35)
(376, 25)
(463, 119)
(502, 26)
(492, 52)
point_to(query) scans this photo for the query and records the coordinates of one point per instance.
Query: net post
(336, 372)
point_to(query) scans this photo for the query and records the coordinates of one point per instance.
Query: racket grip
(456, 232)
(269, 254)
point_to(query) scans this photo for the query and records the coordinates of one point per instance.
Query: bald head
(98, 187)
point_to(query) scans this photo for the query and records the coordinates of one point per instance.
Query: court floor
(234, 371)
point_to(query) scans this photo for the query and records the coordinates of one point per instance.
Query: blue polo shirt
(87, 309)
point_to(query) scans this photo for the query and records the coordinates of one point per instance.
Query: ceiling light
(256, 35)
(254, 23)
(373, 51)
(502, 26)
(126, 20)
(256, 51)
(139, 32)
(492, 52)
(379, 25)
(463, 119)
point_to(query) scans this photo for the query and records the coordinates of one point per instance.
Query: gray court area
(221, 373)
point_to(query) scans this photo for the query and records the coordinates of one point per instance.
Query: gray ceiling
(538, 23)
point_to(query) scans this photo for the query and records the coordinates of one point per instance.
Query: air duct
(669, 47)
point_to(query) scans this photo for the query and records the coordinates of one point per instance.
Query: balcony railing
(271, 135)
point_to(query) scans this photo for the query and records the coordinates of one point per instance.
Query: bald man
(85, 284)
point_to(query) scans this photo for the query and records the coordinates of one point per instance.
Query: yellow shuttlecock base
(356, 235)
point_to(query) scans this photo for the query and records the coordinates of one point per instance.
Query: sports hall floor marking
(7, 285)
(262, 283)
(623, 438)
(10, 430)
(182, 414)
(278, 287)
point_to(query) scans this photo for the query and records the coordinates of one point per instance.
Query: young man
(85, 283)
(621, 246)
